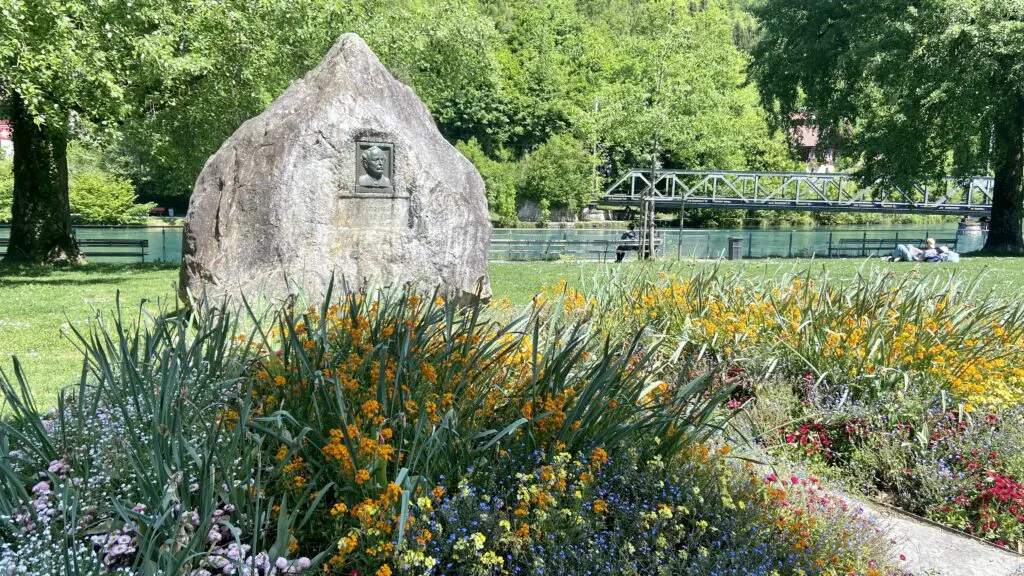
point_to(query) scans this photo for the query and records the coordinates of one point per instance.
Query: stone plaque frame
(362, 190)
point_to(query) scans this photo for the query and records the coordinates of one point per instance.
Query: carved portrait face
(375, 162)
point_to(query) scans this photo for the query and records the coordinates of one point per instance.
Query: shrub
(100, 197)
(6, 190)
(560, 171)
(500, 180)
(103, 198)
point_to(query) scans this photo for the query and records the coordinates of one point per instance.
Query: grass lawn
(38, 306)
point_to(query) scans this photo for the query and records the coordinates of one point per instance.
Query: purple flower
(58, 467)
(281, 563)
(43, 487)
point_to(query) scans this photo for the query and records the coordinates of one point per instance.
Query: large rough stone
(295, 194)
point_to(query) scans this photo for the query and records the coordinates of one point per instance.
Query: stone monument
(344, 174)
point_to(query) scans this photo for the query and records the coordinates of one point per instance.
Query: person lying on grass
(927, 253)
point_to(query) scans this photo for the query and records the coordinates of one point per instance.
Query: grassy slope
(38, 306)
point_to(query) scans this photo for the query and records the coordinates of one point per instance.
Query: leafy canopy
(915, 88)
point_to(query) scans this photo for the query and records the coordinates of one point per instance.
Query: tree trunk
(41, 213)
(1004, 231)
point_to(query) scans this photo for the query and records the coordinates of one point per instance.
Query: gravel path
(934, 551)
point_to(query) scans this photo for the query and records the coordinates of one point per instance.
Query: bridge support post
(682, 219)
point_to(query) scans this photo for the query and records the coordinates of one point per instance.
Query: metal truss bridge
(681, 189)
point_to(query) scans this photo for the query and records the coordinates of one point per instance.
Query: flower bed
(398, 435)
(908, 388)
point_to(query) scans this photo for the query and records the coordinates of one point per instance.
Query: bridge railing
(801, 191)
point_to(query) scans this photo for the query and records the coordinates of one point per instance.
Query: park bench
(864, 246)
(100, 248)
(600, 250)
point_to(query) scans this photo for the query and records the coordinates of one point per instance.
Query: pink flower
(794, 480)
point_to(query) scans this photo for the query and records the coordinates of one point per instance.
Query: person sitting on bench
(620, 250)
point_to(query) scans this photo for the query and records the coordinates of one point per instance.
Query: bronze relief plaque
(374, 202)
(375, 168)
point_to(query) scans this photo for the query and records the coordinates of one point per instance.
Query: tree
(248, 53)
(680, 76)
(59, 60)
(559, 171)
(916, 88)
(499, 180)
(176, 76)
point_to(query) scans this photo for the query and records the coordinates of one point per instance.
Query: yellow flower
(384, 571)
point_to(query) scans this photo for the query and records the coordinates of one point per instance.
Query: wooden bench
(864, 246)
(99, 248)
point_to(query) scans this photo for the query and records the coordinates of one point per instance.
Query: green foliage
(103, 198)
(559, 171)
(500, 180)
(6, 190)
(913, 90)
(678, 78)
(509, 74)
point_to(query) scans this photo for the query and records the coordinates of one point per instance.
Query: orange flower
(600, 506)
(362, 476)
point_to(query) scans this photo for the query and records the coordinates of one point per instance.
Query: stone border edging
(943, 527)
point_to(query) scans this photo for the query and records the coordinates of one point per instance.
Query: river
(165, 242)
